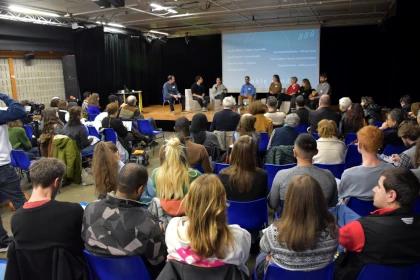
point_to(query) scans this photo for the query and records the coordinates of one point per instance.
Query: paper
(128, 125)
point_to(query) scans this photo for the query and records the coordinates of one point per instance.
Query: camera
(34, 108)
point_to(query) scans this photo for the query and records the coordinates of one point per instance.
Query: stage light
(157, 7)
(172, 11)
(20, 9)
(158, 32)
(116, 25)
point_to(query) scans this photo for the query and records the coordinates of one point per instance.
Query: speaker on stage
(71, 84)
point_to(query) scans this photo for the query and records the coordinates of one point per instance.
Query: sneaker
(4, 247)
(203, 109)
(172, 112)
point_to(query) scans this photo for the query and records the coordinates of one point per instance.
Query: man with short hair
(119, 225)
(199, 93)
(305, 149)
(276, 117)
(301, 111)
(390, 236)
(405, 102)
(247, 91)
(358, 181)
(112, 98)
(54, 103)
(344, 105)
(171, 93)
(409, 133)
(46, 232)
(323, 113)
(227, 119)
(85, 104)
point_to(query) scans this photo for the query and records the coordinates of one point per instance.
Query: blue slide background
(260, 55)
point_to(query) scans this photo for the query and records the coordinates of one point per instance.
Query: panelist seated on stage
(291, 93)
(171, 93)
(199, 93)
(247, 91)
(219, 90)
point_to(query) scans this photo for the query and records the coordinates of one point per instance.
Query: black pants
(277, 96)
(220, 96)
(283, 97)
(171, 102)
(203, 103)
(134, 135)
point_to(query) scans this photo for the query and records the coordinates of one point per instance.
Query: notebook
(128, 125)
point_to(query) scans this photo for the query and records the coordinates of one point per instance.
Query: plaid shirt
(405, 161)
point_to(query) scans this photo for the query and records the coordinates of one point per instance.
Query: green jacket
(66, 150)
(280, 155)
(18, 139)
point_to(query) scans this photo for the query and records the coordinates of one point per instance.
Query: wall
(5, 84)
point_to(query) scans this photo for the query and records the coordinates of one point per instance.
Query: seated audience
(276, 117)
(416, 162)
(54, 103)
(405, 102)
(77, 131)
(197, 154)
(203, 237)
(52, 126)
(20, 141)
(330, 149)
(287, 134)
(85, 104)
(415, 108)
(62, 110)
(262, 123)
(372, 111)
(390, 235)
(306, 236)
(353, 120)
(409, 133)
(243, 180)
(47, 242)
(227, 119)
(323, 113)
(358, 181)
(199, 133)
(344, 104)
(93, 107)
(130, 230)
(172, 180)
(129, 110)
(105, 165)
(304, 151)
(301, 111)
(246, 126)
(390, 128)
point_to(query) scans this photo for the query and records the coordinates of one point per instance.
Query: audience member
(290, 94)
(358, 181)
(62, 110)
(388, 237)
(304, 151)
(47, 242)
(199, 93)
(227, 119)
(243, 180)
(274, 90)
(344, 104)
(246, 126)
(409, 133)
(203, 237)
(54, 103)
(219, 90)
(199, 133)
(247, 91)
(262, 123)
(77, 131)
(93, 107)
(330, 149)
(323, 113)
(301, 111)
(353, 121)
(305, 90)
(276, 117)
(371, 110)
(20, 141)
(85, 104)
(306, 236)
(171, 93)
(405, 102)
(105, 165)
(52, 126)
(129, 110)
(285, 135)
(112, 98)
(390, 129)
(415, 107)
(416, 162)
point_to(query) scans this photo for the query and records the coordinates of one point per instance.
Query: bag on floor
(87, 176)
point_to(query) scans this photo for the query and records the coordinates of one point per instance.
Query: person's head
(75, 114)
(292, 120)
(94, 100)
(397, 187)
(131, 100)
(272, 102)
(415, 108)
(112, 109)
(366, 100)
(405, 100)
(293, 80)
(276, 78)
(199, 79)
(229, 102)
(300, 101)
(105, 168)
(87, 95)
(50, 119)
(182, 127)
(16, 123)
(218, 80)
(47, 173)
(305, 213)
(355, 116)
(394, 118)
(54, 103)
(246, 124)
(257, 107)
(246, 79)
(305, 147)
(324, 101)
(416, 161)
(306, 84)
(205, 206)
(198, 128)
(132, 181)
(369, 139)
(242, 164)
(171, 79)
(323, 77)
(409, 132)
(345, 103)
(62, 105)
(112, 98)
(327, 129)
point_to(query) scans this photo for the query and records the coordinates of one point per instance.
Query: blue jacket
(169, 89)
(247, 89)
(14, 111)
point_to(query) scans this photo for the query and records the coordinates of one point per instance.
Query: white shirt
(330, 151)
(5, 146)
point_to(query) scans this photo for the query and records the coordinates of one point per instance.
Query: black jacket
(320, 114)
(372, 113)
(303, 114)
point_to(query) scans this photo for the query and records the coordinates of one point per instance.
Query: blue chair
(91, 117)
(127, 268)
(110, 135)
(350, 138)
(272, 170)
(336, 169)
(376, 271)
(21, 160)
(13, 161)
(361, 207)
(250, 215)
(263, 141)
(29, 131)
(275, 272)
(146, 128)
(353, 157)
(198, 167)
(302, 128)
(390, 150)
(378, 124)
(315, 135)
(93, 132)
(416, 208)
(220, 166)
(3, 264)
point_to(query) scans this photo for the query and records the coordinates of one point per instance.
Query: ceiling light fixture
(158, 32)
(116, 25)
(20, 9)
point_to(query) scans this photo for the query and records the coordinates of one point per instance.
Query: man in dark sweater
(227, 119)
(323, 113)
(301, 111)
(199, 93)
(47, 242)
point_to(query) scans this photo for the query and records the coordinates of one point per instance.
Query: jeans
(343, 215)
(171, 102)
(203, 103)
(10, 188)
(32, 153)
(88, 149)
(220, 96)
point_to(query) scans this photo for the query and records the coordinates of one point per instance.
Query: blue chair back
(92, 117)
(21, 160)
(315, 135)
(390, 150)
(336, 169)
(250, 215)
(416, 208)
(127, 268)
(361, 207)
(378, 124)
(110, 135)
(3, 264)
(263, 141)
(29, 131)
(93, 132)
(353, 157)
(275, 272)
(376, 271)
(272, 170)
(302, 128)
(198, 167)
(350, 137)
(145, 127)
(13, 161)
(220, 166)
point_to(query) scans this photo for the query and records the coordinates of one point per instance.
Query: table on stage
(140, 100)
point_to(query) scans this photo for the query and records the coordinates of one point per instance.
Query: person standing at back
(171, 93)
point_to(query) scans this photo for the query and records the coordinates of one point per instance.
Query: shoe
(148, 140)
(203, 109)
(172, 112)
(4, 247)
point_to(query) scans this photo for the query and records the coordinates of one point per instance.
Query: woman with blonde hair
(262, 123)
(203, 237)
(330, 149)
(246, 126)
(306, 236)
(93, 105)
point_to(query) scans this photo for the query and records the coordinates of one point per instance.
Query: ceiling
(199, 17)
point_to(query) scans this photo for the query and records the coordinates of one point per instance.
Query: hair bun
(173, 142)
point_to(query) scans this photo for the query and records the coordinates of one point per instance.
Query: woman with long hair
(77, 131)
(306, 90)
(246, 126)
(199, 133)
(93, 105)
(306, 236)
(105, 165)
(353, 121)
(52, 125)
(371, 110)
(203, 237)
(330, 149)
(275, 88)
(262, 123)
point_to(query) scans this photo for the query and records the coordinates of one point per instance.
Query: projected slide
(260, 55)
